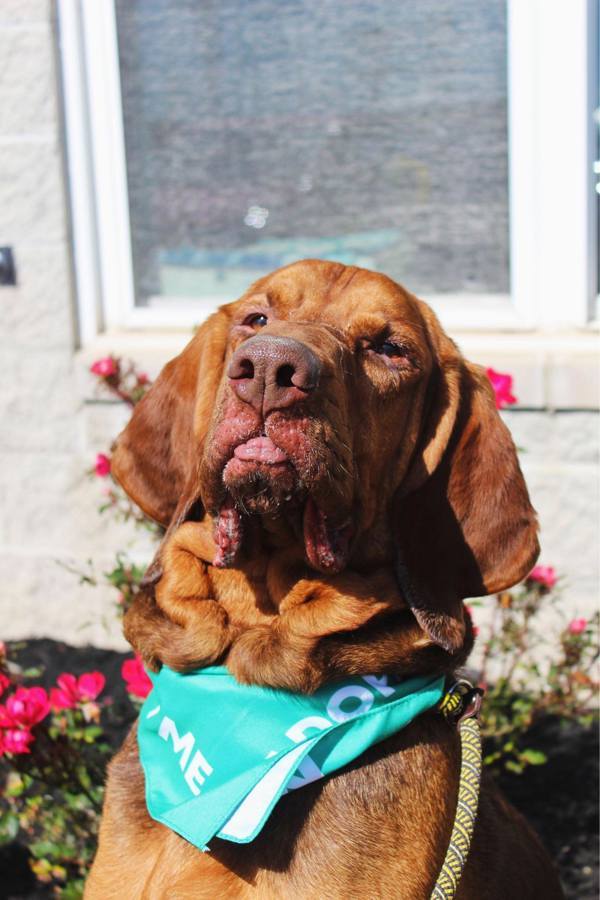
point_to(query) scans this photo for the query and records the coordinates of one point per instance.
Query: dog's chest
(254, 594)
(244, 596)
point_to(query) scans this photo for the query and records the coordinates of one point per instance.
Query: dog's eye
(256, 320)
(388, 348)
(399, 357)
(391, 350)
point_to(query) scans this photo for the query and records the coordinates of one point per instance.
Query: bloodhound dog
(334, 479)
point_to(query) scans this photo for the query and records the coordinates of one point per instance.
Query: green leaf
(9, 828)
(33, 672)
(491, 758)
(534, 757)
(40, 849)
(73, 890)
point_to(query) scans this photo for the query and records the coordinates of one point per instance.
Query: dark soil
(560, 798)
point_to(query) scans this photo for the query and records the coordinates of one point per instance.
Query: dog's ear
(155, 459)
(465, 524)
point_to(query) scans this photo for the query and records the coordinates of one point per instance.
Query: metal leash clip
(461, 701)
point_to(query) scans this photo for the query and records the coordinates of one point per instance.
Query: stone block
(567, 499)
(527, 371)
(37, 314)
(14, 12)
(102, 423)
(27, 81)
(574, 382)
(568, 436)
(39, 598)
(31, 194)
(53, 507)
(38, 404)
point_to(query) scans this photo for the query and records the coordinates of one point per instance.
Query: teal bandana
(218, 755)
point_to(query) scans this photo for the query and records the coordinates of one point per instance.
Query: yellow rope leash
(462, 700)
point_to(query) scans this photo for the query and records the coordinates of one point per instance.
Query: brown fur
(411, 449)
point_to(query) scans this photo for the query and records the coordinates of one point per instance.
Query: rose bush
(53, 756)
(121, 378)
(530, 670)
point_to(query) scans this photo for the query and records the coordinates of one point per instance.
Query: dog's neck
(271, 533)
(268, 536)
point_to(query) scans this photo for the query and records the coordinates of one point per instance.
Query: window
(227, 138)
(373, 133)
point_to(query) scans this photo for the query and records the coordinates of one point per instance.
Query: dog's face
(328, 402)
(318, 408)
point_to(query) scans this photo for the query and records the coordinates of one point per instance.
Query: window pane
(371, 131)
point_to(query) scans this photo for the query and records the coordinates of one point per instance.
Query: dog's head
(327, 404)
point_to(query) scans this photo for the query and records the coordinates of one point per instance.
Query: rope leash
(461, 704)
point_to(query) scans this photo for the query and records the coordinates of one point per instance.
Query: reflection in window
(259, 132)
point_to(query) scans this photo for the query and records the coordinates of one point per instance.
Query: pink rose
(90, 684)
(4, 682)
(27, 706)
(72, 691)
(16, 740)
(142, 378)
(65, 696)
(502, 384)
(102, 465)
(5, 719)
(577, 626)
(105, 367)
(544, 575)
(135, 677)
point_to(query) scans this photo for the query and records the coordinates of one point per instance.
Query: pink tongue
(326, 547)
(260, 449)
(228, 536)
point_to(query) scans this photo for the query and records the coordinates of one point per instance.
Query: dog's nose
(271, 372)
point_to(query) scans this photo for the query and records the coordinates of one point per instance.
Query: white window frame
(551, 91)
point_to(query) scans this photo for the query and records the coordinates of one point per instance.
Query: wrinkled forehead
(344, 297)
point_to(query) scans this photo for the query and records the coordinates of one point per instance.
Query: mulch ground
(560, 798)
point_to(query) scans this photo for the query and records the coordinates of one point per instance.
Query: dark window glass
(368, 131)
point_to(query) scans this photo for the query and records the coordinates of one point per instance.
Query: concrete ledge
(551, 370)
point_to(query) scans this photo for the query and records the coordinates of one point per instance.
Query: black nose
(271, 372)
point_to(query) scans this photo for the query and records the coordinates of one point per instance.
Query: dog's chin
(262, 489)
(259, 489)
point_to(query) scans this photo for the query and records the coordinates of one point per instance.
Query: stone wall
(45, 496)
(560, 454)
(53, 425)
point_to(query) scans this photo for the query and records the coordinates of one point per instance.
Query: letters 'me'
(184, 745)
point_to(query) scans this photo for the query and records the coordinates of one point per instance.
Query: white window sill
(551, 369)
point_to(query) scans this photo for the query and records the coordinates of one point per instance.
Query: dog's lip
(326, 546)
(260, 449)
